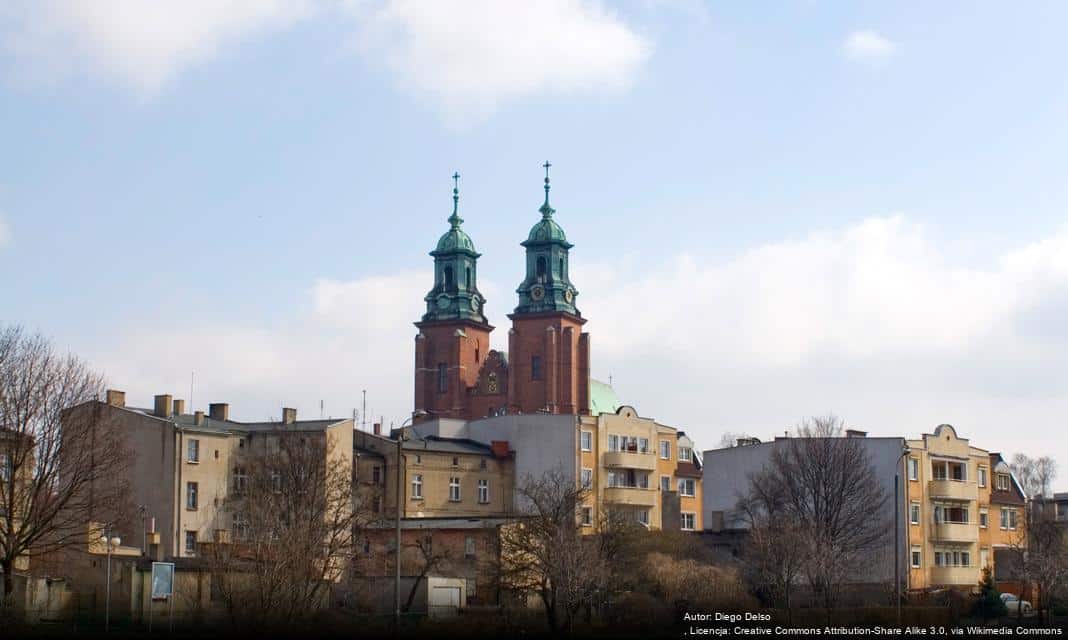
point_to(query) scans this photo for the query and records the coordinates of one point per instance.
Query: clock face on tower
(474, 304)
(537, 292)
(569, 296)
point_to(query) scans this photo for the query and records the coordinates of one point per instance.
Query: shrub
(989, 604)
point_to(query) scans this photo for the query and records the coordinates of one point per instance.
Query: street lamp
(400, 487)
(109, 545)
(897, 534)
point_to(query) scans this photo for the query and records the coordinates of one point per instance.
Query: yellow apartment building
(963, 507)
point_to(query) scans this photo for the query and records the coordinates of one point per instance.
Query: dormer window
(1003, 482)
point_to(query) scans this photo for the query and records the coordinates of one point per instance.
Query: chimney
(499, 448)
(163, 406)
(116, 398)
(219, 411)
(179, 407)
(377, 428)
(289, 415)
(856, 433)
(198, 418)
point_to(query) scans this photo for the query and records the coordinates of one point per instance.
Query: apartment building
(965, 509)
(16, 476)
(184, 465)
(440, 477)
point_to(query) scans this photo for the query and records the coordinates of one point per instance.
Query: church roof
(453, 240)
(603, 398)
(546, 230)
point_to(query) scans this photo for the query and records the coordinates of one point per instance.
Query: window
(1008, 519)
(448, 277)
(914, 513)
(469, 547)
(535, 367)
(482, 464)
(467, 282)
(689, 521)
(192, 451)
(190, 542)
(376, 474)
(665, 450)
(965, 559)
(686, 487)
(5, 467)
(914, 469)
(483, 491)
(417, 486)
(190, 495)
(240, 480)
(665, 483)
(938, 471)
(940, 560)
(1003, 482)
(587, 516)
(587, 478)
(542, 267)
(916, 557)
(454, 489)
(443, 377)
(418, 459)
(643, 445)
(241, 527)
(983, 518)
(561, 270)
(276, 482)
(684, 454)
(376, 504)
(643, 517)
(613, 443)
(982, 476)
(455, 461)
(586, 440)
(984, 558)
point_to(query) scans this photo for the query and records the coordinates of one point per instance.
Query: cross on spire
(455, 220)
(546, 210)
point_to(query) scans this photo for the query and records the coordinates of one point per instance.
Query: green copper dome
(546, 230)
(455, 239)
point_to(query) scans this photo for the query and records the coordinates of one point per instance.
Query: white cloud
(869, 45)
(143, 45)
(470, 56)
(873, 321)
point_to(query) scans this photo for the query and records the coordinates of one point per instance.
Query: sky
(779, 210)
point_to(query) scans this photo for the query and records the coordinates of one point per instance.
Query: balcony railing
(953, 489)
(955, 575)
(630, 460)
(631, 495)
(955, 531)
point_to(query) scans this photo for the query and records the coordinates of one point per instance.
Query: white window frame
(643, 516)
(685, 454)
(914, 513)
(692, 517)
(587, 516)
(455, 495)
(914, 469)
(586, 440)
(192, 451)
(1003, 482)
(417, 486)
(643, 445)
(192, 496)
(665, 450)
(984, 518)
(687, 483)
(190, 550)
(915, 557)
(240, 480)
(483, 491)
(665, 483)
(613, 442)
(982, 476)
(586, 478)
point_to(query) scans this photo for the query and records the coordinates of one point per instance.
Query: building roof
(1015, 494)
(438, 444)
(603, 398)
(688, 470)
(188, 421)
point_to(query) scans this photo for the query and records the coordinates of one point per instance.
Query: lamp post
(109, 545)
(897, 534)
(400, 489)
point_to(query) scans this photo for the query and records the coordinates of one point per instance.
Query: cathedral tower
(548, 353)
(453, 339)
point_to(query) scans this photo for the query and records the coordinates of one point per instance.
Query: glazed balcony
(953, 490)
(630, 460)
(955, 531)
(634, 496)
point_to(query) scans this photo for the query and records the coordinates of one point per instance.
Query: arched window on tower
(468, 281)
(448, 277)
(541, 268)
(562, 274)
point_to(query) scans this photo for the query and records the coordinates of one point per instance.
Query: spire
(455, 220)
(547, 211)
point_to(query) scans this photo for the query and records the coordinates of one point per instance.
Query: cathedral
(547, 367)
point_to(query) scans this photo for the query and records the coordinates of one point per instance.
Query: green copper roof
(546, 230)
(603, 398)
(455, 239)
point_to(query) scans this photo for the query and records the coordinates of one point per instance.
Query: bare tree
(545, 553)
(1035, 475)
(730, 439)
(293, 520)
(821, 491)
(775, 551)
(428, 560)
(60, 468)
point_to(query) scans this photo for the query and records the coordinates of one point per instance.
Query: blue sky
(778, 209)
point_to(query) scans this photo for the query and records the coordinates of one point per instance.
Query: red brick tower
(548, 353)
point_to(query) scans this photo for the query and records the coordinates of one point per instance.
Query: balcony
(955, 575)
(630, 460)
(634, 496)
(955, 531)
(952, 490)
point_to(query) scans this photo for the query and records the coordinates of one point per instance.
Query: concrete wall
(726, 476)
